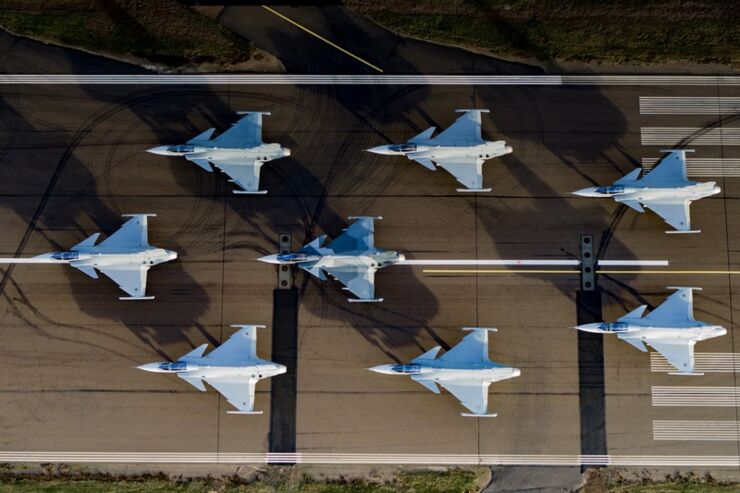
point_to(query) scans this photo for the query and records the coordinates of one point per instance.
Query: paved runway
(73, 161)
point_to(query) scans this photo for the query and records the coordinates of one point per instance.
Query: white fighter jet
(239, 152)
(670, 329)
(465, 371)
(125, 256)
(665, 190)
(351, 258)
(459, 149)
(233, 368)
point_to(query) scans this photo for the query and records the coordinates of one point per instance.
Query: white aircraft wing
(468, 171)
(674, 213)
(241, 346)
(129, 277)
(678, 308)
(465, 131)
(133, 234)
(247, 132)
(238, 391)
(679, 353)
(472, 394)
(670, 172)
(473, 348)
(246, 174)
(360, 236)
(358, 279)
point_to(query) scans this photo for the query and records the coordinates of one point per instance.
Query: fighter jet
(233, 368)
(465, 371)
(351, 259)
(666, 190)
(125, 256)
(239, 152)
(459, 149)
(670, 329)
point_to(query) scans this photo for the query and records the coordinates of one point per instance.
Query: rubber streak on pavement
(591, 376)
(284, 387)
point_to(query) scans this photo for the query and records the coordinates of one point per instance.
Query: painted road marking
(573, 271)
(691, 136)
(697, 430)
(318, 36)
(704, 363)
(411, 459)
(377, 79)
(729, 167)
(689, 106)
(696, 396)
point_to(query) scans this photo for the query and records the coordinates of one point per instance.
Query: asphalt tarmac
(73, 161)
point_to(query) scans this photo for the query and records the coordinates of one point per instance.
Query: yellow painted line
(544, 271)
(498, 271)
(692, 272)
(299, 26)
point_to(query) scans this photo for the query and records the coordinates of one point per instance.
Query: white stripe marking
(696, 430)
(729, 136)
(334, 458)
(696, 396)
(704, 363)
(689, 106)
(703, 167)
(384, 79)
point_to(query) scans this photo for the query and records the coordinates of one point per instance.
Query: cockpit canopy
(403, 147)
(614, 327)
(296, 257)
(406, 368)
(181, 149)
(611, 189)
(176, 366)
(65, 256)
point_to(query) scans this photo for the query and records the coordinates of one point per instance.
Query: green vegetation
(674, 487)
(609, 480)
(453, 481)
(603, 31)
(159, 31)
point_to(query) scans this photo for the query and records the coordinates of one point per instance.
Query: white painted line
(697, 430)
(696, 396)
(378, 79)
(693, 136)
(689, 106)
(337, 458)
(492, 262)
(703, 363)
(537, 262)
(729, 167)
(633, 263)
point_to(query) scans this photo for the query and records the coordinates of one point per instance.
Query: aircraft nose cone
(385, 369)
(401, 257)
(716, 190)
(154, 367)
(515, 372)
(280, 369)
(509, 149)
(380, 150)
(286, 152)
(171, 255)
(586, 192)
(159, 150)
(594, 328)
(270, 259)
